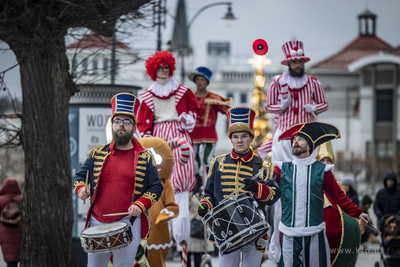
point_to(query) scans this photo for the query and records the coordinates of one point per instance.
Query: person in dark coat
(10, 235)
(348, 185)
(366, 203)
(387, 200)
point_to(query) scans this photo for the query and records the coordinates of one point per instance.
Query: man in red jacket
(204, 134)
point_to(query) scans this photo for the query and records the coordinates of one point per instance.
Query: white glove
(310, 108)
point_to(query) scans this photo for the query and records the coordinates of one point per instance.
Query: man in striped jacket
(294, 97)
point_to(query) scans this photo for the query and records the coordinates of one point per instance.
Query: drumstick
(86, 185)
(234, 192)
(115, 214)
(198, 202)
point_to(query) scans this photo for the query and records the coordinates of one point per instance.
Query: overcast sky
(324, 26)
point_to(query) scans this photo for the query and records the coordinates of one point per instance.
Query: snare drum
(106, 237)
(236, 222)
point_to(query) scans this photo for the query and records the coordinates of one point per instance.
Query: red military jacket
(210, 105)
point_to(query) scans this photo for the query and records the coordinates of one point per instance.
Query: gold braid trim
(208, 202)
(78, 183)
(95, 150)
(220, 160)
(151, 196)
(140, 204)
(259, 190)
(271, 194)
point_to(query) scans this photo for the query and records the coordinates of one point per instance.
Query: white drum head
(104, 228)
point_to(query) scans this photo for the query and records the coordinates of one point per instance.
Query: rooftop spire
(180, 37)
(367, 23)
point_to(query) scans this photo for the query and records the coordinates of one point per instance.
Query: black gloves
(201, 211)
(250, 185)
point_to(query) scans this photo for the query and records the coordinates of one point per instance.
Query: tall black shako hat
(315, 133)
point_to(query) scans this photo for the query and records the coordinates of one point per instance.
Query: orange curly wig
(153, 62)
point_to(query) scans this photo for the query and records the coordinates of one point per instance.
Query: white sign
(92, 129)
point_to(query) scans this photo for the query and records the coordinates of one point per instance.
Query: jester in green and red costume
(302, 183)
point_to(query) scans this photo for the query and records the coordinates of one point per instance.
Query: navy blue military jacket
(227, 172)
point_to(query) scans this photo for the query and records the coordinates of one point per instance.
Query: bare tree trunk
(47, 204)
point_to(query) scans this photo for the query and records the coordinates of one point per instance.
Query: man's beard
(122, 138)
(297, 151)
(295, 74)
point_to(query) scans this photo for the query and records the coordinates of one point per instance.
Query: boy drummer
(230, 171)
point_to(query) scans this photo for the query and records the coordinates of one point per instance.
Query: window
(84, 66)
(218, 49)
(116, 67)
(95, 66)
(218, 54)
(243, 98)
(105, 66)
(384, 149)
(384, 105)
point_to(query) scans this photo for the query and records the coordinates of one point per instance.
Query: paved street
(363, 260)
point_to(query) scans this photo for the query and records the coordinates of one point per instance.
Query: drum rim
(247, 229)
(209, 215)
(256, 236)
(117, 231)
(102, 224)
(107, 249)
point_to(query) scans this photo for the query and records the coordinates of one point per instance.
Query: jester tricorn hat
(316, 133)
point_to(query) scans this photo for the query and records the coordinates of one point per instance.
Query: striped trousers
(182, 177)
(305, 251)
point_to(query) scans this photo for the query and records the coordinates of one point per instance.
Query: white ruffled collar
(164, 90)
(306, 161)
(295, 82)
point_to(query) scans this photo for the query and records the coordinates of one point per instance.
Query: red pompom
(153, 62)
(295, 47)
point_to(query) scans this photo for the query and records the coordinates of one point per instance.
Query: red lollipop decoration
(260, 47)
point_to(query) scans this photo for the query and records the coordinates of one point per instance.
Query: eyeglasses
(243, 137)
(161, 68)
(124, 122)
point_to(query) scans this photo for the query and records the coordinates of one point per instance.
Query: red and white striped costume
(182, 177)
(303, 91)
(311, 93)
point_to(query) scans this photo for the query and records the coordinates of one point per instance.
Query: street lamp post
(183, 51)
(159, 20)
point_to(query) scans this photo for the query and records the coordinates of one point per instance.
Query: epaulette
(220, 160)
(146, 155)
(95, 150)
(269, 169)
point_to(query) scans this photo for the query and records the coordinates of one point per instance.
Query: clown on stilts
(169, 110)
